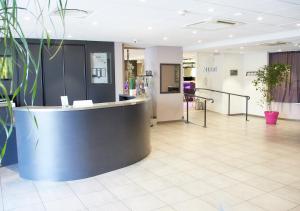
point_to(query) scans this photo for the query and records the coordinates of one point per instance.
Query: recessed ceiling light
(142, 0)
(70, 36)
(211, 10)
(216, 51)
(231, 36)
(296, 44)
(279, 50)
(194, 32)
(165, 38)
(238, 14)
(183, 12)
(27, 18)
(298, 24)
(259, 18)
(199, 41)
(95, 23)
(149, 28)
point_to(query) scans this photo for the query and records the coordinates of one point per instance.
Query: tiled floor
(229, 166)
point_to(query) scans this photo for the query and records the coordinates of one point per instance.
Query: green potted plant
(267, 79)
(15, 52)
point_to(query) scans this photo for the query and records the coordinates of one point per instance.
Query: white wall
(167, 107)
(221, 80)
(119, 71)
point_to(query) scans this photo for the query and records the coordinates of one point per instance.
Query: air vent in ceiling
(76, 13)
(271, 44)
(213, 24)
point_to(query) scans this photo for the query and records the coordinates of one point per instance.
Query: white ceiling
(129, 20)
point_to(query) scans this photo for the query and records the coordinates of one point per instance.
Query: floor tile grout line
(113, 194)
(38, 192)
(2, 200)
(67, 184)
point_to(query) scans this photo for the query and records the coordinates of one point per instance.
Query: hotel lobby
(150, 105)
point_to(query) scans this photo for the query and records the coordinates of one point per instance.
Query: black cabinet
(74, 74)
(64, 74)
(53, 74)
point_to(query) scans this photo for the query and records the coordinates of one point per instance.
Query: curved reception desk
(75, 143)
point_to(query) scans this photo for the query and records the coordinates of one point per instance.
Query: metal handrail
(229, 95)
(187, 96)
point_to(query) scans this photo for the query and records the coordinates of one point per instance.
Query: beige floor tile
(179, 179)
(246, 206)
(282, 177)
(198, 188)
(155, 184)
(96, 198)
(67, 204)
(173, 195)
(272, 203)
(240, 175)
(221, 199)
(295, 209)
(113, 206)
(127, 191)
(193, 205)
(165, 208)
(288, 193)
(264, 184)
(242, 191)
(144, 203)
(221, 181)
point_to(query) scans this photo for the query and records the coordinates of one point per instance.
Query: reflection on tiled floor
(229, 166)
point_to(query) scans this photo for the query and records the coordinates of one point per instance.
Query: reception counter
(75, 143)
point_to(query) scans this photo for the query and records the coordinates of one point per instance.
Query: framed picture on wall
(170, 78)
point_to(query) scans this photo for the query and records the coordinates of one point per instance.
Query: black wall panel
(74, 74)
(100, 92)
(27, 98)
(53, 74)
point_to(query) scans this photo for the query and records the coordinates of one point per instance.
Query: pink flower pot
(271, 117)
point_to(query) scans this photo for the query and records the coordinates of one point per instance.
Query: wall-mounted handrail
(229, 95)
(187, 96)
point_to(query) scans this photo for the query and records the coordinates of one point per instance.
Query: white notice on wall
(99, 68)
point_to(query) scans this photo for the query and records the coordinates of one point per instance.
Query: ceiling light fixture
(26, 18)
(183, 12)
(259, 18)
(95, 23)
(211, 10)
(238, 14)
(142, 0)
(199, 41)
(149, 28)
(70, 36)
(216, 51)
(165, 38)
(298, 24)
(279, 50)
(194, 32)
(231, 36)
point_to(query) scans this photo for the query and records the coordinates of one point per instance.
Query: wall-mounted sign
(210, 69)
(233, 72)
(99, 68)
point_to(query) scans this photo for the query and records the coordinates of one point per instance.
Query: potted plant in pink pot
(267, 79)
